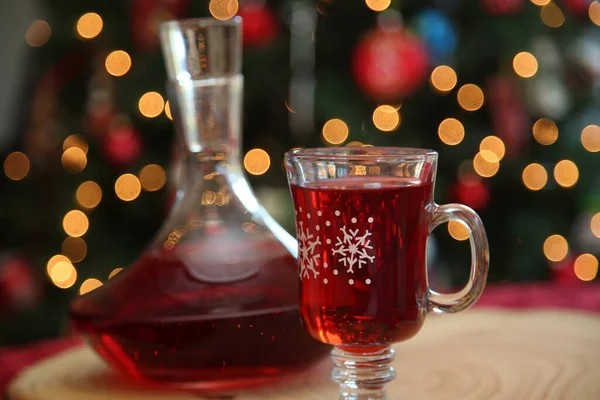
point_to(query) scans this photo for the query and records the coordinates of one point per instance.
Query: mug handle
(480, 260)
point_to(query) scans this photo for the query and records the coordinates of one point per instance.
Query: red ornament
(389, 64)
(577, 7)
(147, 14)
(122, 146)
(20, 287)
(472, 191)
(563, 272)
(502, 7)
(260, 25)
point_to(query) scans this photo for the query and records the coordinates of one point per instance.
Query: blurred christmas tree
(505, 90)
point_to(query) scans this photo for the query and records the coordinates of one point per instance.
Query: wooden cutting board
(479, 354)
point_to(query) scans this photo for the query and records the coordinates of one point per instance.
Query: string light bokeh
(16, 166)
(443, 79)
(586, 267)
(566, 173)
(525, 64)
(470, 97)
(88, 194)
(386, 118)
(75, 223)
(118, 63)
(545, 131)
(495, 145)
(556, 248)
(128, 187)
(590, 138)
(152, 177)
(88, 285)
(223, 9)
(151, 104)
(486, 163)
(257, 161)
(552, 15)
(335, 131)
(595, 225)
(458, 230)
(378, 5)
(38, 33)
(73, 160)
(451, 131)
(89, 25)
(535, 176)
(74, 248)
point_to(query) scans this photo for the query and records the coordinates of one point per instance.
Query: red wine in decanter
(160, 321)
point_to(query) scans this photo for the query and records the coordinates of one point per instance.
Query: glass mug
(363, 215)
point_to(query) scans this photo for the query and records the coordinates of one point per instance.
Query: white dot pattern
(368, 281)
(335, 271)
(351, 281)
(319, 213)
(353, 220)
(337, 213)
(370, 220)
(325, 281)
(327, 223)
(308, 215)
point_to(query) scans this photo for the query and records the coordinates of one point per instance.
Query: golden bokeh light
(257, 161)
(55, 260)
(545, 131)
(378, 5)
(443, 79)
(88, 285)
(74, 248)
(595, 225)
(555, 248)
(88, 194)
(552, 15)
(38, 33)
(114, 272)
(486, 163)
(470, 97)
(16, 166)
(495, 145)
(128, 187)
(75, 140)
(386, 118)
(89, 25)
(594, 12)
(566, 173)
(535, 177)
(525, 64)
(540, 2)
(73, 160)
(151, 104)
(451, 131)
(75, 223)
(223, 9)
(586, 267)
(335, 131)
(152, 177)
(458, 230)
(118, 63)
(63, 274)
(168, 110)
(590, 138)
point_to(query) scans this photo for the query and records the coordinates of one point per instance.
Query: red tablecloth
(579, 297)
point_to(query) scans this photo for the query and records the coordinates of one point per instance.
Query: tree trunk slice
(474, 355)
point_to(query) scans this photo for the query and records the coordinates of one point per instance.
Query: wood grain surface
(479, 354)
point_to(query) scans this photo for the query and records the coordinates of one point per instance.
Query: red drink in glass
(371, 288)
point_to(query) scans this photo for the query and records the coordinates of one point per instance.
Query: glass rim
(202, 22)
(360, 153)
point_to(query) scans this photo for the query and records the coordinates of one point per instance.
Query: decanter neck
(207, 114)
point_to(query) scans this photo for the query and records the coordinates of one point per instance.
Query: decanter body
(212, 302)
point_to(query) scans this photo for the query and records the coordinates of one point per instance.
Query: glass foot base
(362, 376)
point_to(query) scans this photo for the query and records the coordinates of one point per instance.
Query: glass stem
(362, 376)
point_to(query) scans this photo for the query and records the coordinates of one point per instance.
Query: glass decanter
(212, 303)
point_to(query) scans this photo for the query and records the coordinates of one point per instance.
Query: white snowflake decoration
(353, 248)
(308, 257)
